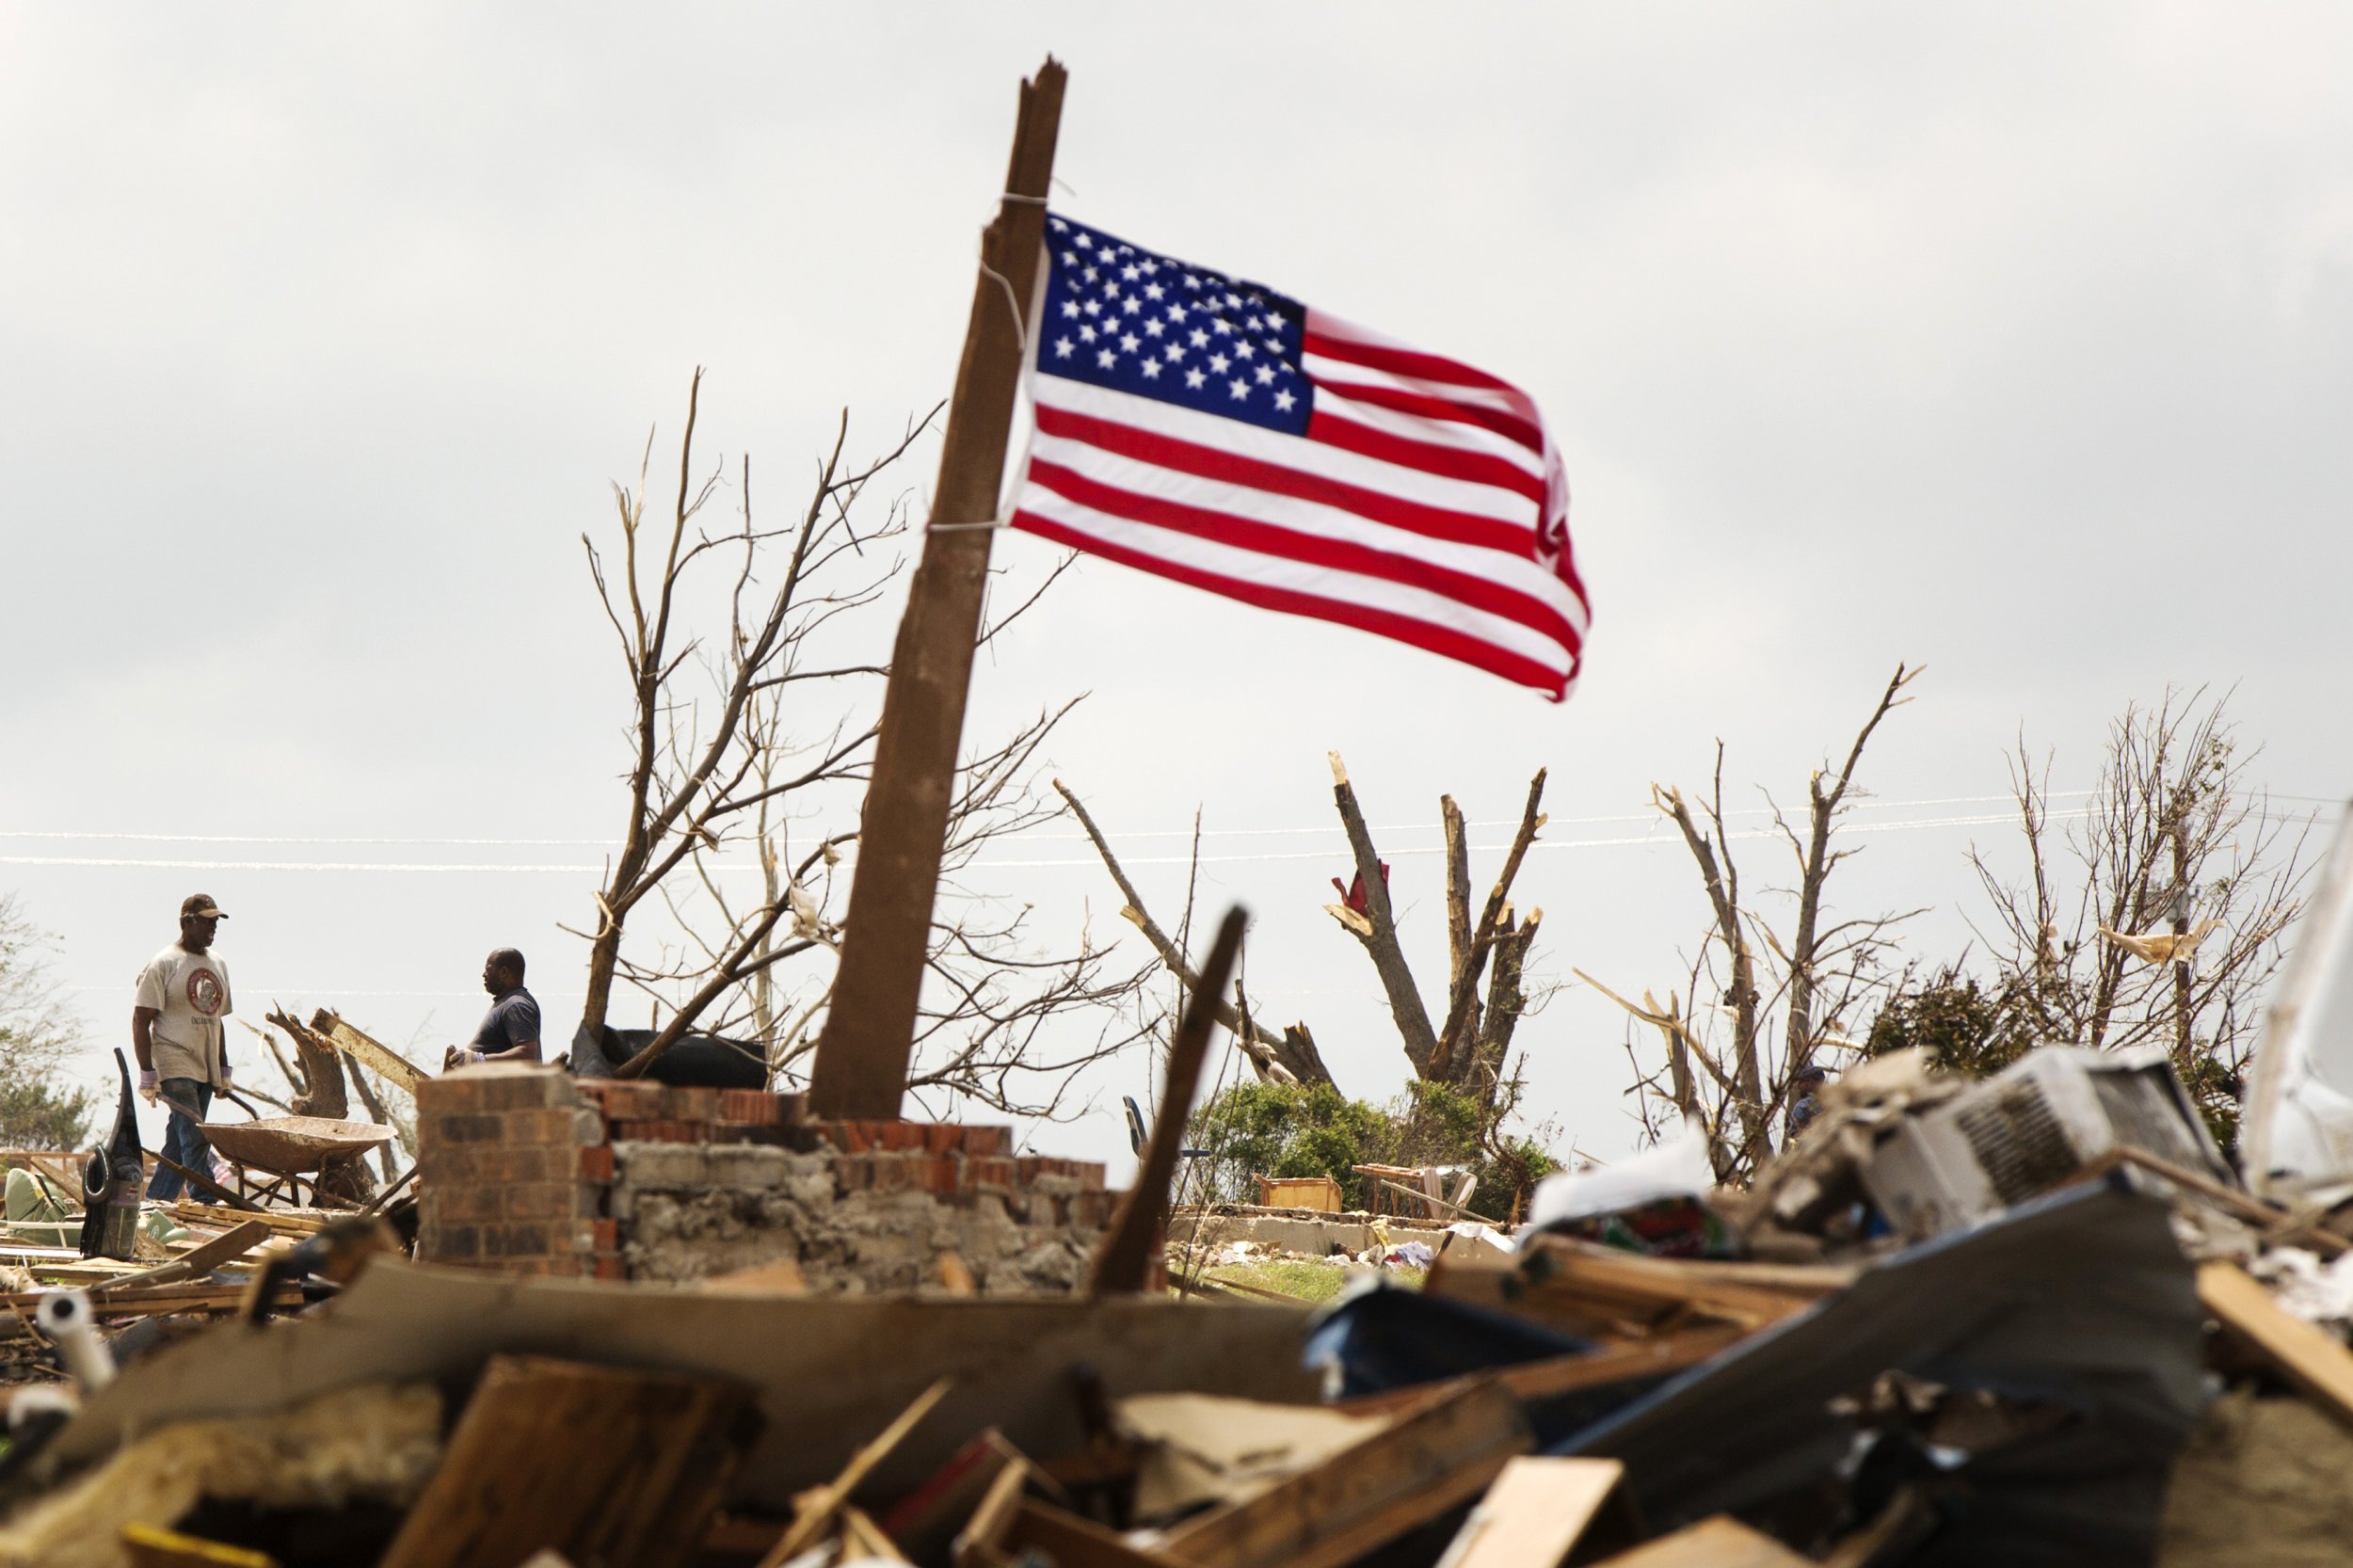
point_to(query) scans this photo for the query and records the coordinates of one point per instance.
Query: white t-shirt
(190, 991)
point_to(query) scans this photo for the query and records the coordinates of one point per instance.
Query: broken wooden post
(1123, 1261)
(862, 1067)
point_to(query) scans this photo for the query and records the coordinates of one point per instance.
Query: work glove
(149, 1090)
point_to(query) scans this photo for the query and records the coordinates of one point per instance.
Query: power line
(1327, 829)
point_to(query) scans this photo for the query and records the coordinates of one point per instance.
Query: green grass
(1308, 1279)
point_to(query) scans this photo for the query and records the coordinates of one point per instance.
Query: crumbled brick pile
(527, 1171)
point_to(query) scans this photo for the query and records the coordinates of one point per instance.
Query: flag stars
(1091, 275)
(1154, 328)
(1084, 242)
(1153, 291)
(1151, 368)
(1220, 363)
(1129, 307)
(1131, 343)
(1061, 349)
(1132, 272)
(1093, 307)
(1070, 308)
(1175, 352)
(1193, 379)
(1087, 334)
(1200, 339)
(1285, 401)
(1224, 328)
(1242, 350)
(1107, 359)
(1265, 375)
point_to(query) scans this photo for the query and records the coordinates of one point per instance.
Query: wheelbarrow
(284, 1149)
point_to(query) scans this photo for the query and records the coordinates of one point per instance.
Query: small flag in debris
(1216, 432)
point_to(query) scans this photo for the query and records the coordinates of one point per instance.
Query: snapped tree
(1465, 1087)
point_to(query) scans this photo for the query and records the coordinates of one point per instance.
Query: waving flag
(1216, 432)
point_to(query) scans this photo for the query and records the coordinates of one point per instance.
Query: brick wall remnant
(527, 1170)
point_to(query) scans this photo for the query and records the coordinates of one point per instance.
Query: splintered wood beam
(1123, 1263)
(1429, 1459)
(379, 1059)
(861, 1066)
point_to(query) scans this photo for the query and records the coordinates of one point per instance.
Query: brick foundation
(525, 1170)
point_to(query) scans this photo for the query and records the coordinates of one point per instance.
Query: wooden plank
(1721, 1541)
(861, 1066)
(604, 1466)
(2314, 1361)
(814, 1514)
(201, 1259)
(1534, 1513)
(377, 1058)
(1429, 1459)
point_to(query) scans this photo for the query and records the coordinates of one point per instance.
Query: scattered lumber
(1535, 1513)
(814, 1513)
(299, 1223)
(2314, 1361)
(166, 1302)
(1595, 1291)
(1431, 1458)
(206, 1255)
(603, 1465)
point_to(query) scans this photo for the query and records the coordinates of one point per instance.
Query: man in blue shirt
(510, 1031)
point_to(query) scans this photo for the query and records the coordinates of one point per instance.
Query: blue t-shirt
(512, 1020)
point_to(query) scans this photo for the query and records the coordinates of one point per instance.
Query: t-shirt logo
(204, 992)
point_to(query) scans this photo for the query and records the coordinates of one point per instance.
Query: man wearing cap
(176, 1028)
(510, 1031)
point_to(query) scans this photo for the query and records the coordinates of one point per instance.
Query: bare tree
(2156, 915)
(757, 739)
(1819, 979)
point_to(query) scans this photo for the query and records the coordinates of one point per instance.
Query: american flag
(1213, 431)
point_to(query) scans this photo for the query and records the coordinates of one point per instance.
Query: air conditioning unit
(2032, 1128)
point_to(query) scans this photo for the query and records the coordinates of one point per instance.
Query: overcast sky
(2012, 340)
